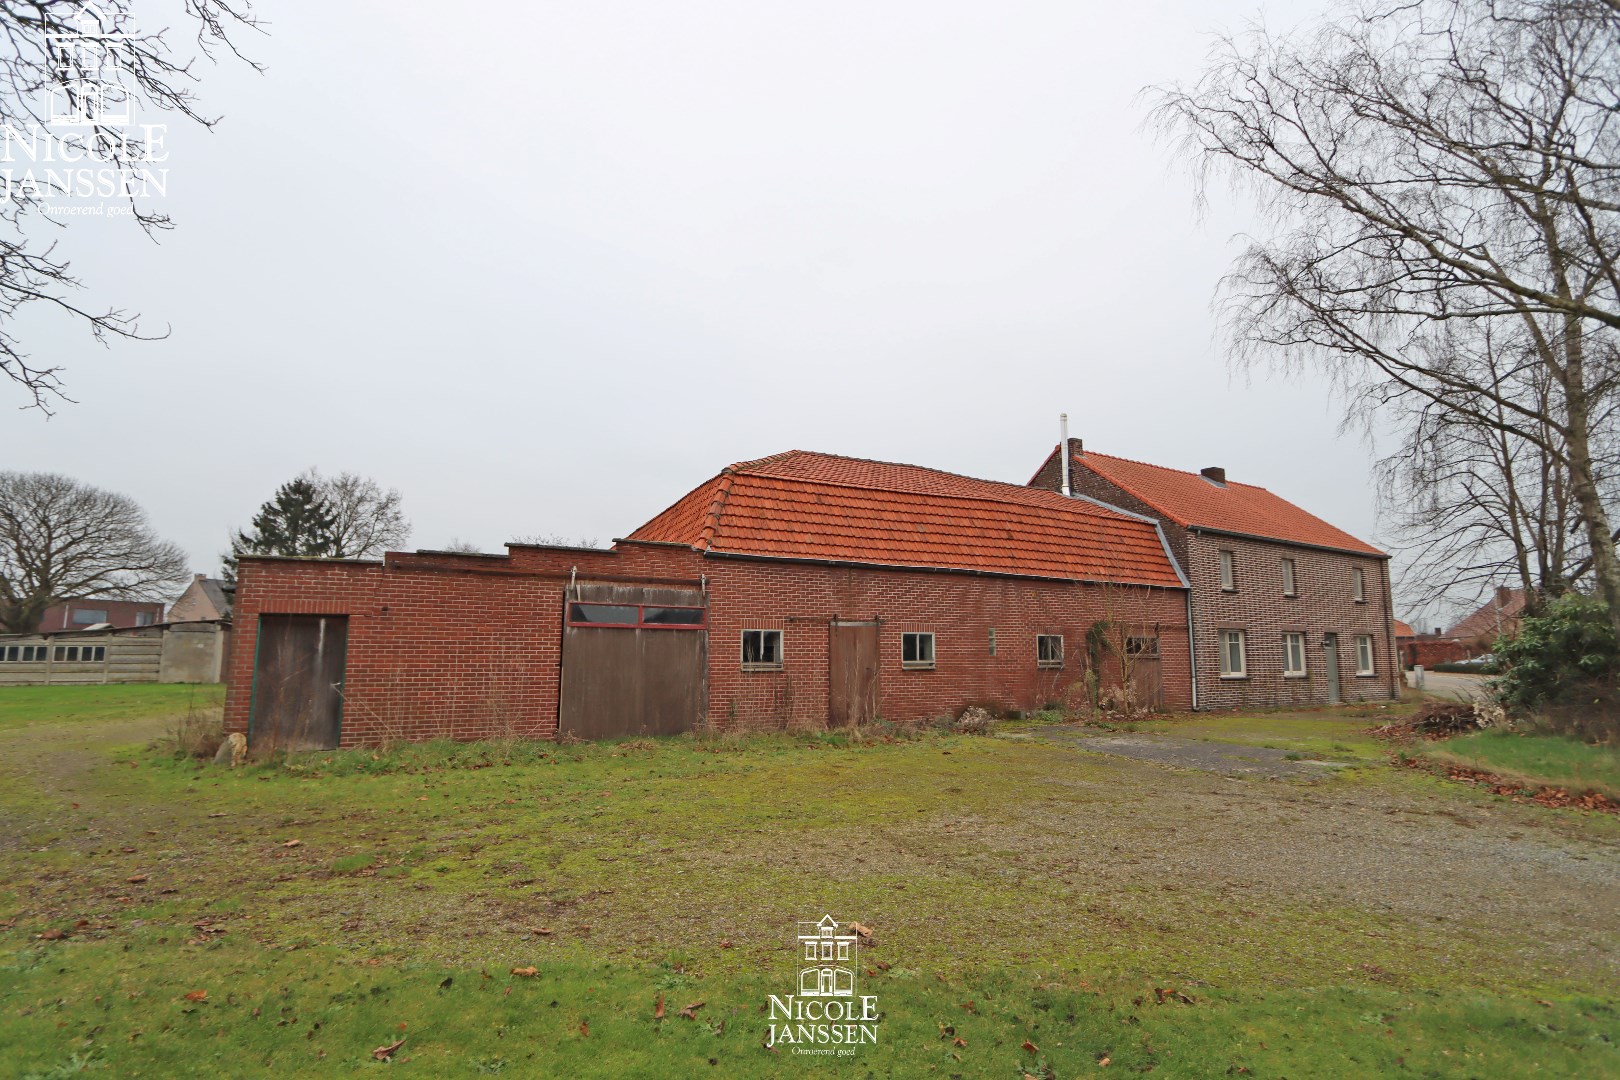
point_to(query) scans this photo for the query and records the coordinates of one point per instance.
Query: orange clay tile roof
(1404, 629)
(1188, 499)
(802, 505)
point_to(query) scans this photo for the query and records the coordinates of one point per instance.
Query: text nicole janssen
(822, 1021)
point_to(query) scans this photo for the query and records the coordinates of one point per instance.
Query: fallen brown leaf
(1031, 1048)
(526, 972)
(383, 1053)
(725, 943)
(543, 931)
(1103, 1061)
(959, 1041)
(136, 879)
(584, 1029)
(658, 1009)
(690, 1012)
(53, 934)
(197, 995)
(300, 843)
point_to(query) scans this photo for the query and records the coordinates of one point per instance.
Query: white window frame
(762, 665)
(1048, 663)
(1226, 640)
(1290, 577)
(919, 664)
(1359, 579)
(1364, 650)
(1294, 648)
(1228, 571)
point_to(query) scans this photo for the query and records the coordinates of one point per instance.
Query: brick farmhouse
(1286, 608)
(797, 589)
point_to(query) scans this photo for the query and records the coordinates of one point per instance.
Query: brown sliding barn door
(852, 673)
(298, 682)
(635, 661)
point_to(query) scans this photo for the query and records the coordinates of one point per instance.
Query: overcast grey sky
(546, 266)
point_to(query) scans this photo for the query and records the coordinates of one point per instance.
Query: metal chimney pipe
(1063, 450)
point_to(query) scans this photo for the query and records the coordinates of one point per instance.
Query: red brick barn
(1286, 608)
(798, 589)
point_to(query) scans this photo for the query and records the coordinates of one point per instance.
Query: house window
(1232, 655)
(992, 641)
(917, 650)
(1289, 588)
(143, 618)
(1049, 650)
(1364, 655)
(1227, 580)
(1294, 656)
(762, 650)
(1360, 577)
(88, 616)
(10, 654)
(1142, 646)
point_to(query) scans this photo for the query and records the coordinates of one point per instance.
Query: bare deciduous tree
(367, 518)
(1429, 164)
(61, 539)
(38, 63)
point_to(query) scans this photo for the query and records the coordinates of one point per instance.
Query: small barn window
(1360, 581)
(1228, 581)
(917, 650)
(100, 651)
(1142, 646)
(762, 650)
(9, 654)
(672, 616)
(1289, 586)
(61, 654)
(1049, 650)
(992, 641)
(635, 616)
(1364, 655)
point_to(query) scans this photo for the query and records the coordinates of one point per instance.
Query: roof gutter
(1290, 543)
(712, 554)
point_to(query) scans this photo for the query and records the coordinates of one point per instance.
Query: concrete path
(1453, 686)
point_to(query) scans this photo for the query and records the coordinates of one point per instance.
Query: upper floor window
(1233, 659)
(1228, 582)
(1364, 655)
(1359, 577)
(1049, 650)
(916, 650)
(1290, 588)
(143, 618)
(762, 650)
(1294, 655)
(88, 616)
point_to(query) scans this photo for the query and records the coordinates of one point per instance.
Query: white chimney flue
(1063, 452)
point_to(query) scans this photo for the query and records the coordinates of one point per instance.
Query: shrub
(1563, 664)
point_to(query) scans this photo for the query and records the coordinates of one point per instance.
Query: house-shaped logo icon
(89, 69)
(830, 959)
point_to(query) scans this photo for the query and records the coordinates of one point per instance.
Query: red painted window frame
(640, 623)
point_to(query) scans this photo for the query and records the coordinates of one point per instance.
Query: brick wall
(470, 646)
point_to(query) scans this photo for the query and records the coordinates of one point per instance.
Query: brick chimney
(1215, 475)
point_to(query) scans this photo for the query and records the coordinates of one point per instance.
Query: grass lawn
(1536, 760)
(21, 706)
(1037, 910)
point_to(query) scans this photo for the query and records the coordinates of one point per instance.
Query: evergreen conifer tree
(298, 521)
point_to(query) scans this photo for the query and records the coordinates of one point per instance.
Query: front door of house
(1330, 653)
(298, 682)
(852, 673)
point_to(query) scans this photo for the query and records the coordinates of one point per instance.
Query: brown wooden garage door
(635, 661)
(298, 682)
